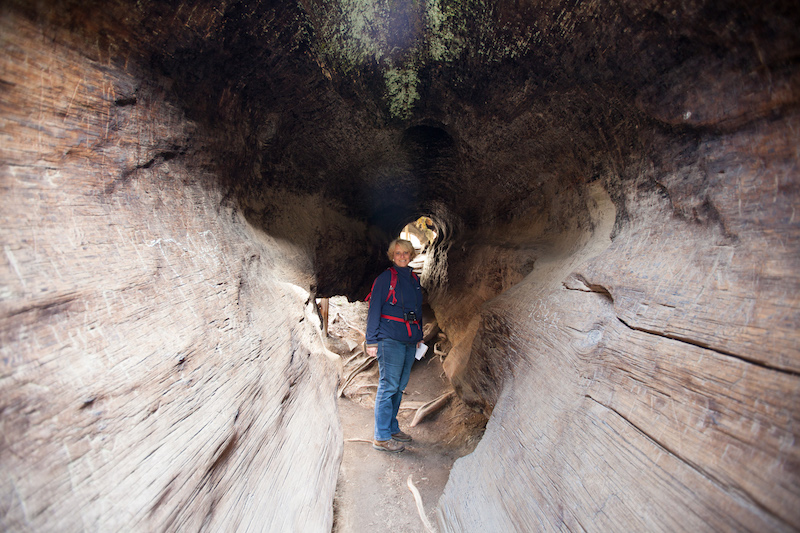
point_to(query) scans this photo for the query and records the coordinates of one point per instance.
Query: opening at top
(421, 233)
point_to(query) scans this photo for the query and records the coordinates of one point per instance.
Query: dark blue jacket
(409, 298)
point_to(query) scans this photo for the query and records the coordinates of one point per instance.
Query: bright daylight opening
(422, 234)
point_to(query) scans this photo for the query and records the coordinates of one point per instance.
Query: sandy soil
(372, 492)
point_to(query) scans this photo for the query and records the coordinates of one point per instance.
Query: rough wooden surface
(615, 187)
(651, 385)
(156, 374)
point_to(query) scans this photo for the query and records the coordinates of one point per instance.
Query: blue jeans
(394, 363)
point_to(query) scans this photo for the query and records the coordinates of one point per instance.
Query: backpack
(392, 285)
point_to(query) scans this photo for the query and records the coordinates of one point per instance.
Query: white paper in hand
(421, 349)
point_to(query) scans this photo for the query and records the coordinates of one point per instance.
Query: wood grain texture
(157, 375)
(615, 186)
(600, 427)
(723, 272)
(653, 385)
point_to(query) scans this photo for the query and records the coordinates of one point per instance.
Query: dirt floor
(372, 493)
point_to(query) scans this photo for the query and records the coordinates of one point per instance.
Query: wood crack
(48, 307)
(655, 441)
(706, 346)
(578, 283)
(695, 467)
(159, 158)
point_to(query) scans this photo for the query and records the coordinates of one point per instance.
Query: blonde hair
(402, 243)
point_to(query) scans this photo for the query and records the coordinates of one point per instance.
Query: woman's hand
(372, 351)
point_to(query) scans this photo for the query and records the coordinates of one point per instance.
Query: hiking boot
(387, 446)
(401, 436)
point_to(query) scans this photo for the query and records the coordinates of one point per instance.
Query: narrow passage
(372, 492)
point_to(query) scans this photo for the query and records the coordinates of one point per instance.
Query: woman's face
(401, 256)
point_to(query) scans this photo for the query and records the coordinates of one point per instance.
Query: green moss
(444, 31)
(401, 89)
(356, 33)
(363, 30)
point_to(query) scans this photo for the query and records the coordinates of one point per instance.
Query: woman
(394, 330)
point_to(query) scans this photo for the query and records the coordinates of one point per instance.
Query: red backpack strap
(369, 296)
(392, 285)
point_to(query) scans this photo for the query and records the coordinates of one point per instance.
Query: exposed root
(359, 352)
(367, 386)
(351, 344)
(349, 325)
(359, 440)
(420, 508)
(441, 347)
(431, 407)
(430, 332)
(411, 405)
(360, 368)
(439, 352)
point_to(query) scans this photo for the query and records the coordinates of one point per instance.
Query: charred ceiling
(477, 111)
